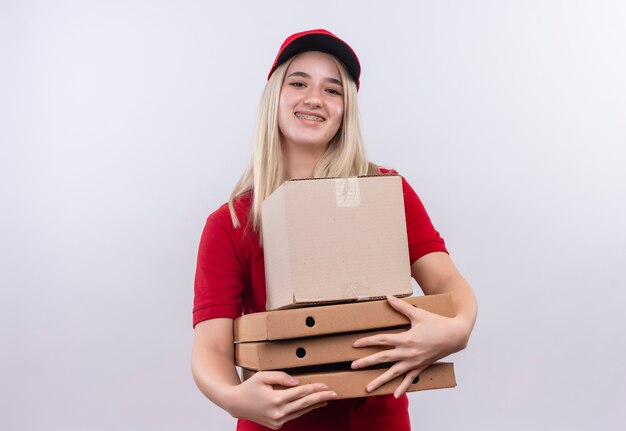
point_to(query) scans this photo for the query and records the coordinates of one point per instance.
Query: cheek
(282, 113)
(339, 115)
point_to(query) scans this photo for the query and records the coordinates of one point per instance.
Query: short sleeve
(219, 275)
(422, 236)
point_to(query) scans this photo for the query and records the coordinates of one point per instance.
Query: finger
(377, 340)
(299, 413)
(292, 394)
(389, 355)
(394, 371)
(309, 400)
(407, 382)
(404, 307)
(276, 378)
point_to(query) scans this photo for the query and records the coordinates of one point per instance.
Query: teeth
(309, 117)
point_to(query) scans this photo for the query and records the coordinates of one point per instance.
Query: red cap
(319, 40)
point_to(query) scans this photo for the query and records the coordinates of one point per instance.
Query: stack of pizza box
(314, 344)
(334, 248)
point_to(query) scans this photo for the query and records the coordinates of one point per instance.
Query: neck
(301, 162)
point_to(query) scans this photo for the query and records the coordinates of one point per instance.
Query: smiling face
(310, 108)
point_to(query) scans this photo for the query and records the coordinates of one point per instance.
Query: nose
(313, 102)
(313, 99)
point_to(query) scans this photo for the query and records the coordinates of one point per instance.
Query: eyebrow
(306, 75)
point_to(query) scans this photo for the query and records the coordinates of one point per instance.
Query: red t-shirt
(230, 281)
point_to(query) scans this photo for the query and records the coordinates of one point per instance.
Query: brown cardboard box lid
(335, 239)
(352, 383)
(332, 319)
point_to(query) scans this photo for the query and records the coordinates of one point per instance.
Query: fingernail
(333, 395)
(325, 387)
(370, 388)
(293, 381)
(355, 365)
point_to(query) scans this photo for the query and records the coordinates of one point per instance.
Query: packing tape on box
(349, 291)
(347, 193)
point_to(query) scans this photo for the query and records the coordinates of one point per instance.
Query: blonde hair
(344, 157)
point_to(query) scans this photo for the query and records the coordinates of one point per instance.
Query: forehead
(315, 62)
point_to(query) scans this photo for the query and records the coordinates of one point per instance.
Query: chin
(311, 144)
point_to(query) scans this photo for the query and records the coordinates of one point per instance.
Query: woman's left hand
(430, 338)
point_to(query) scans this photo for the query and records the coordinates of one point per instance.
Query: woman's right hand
(255, 399)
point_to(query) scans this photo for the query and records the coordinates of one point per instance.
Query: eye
(297, 84)
(333, 91)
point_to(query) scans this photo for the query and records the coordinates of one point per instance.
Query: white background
(123, 124)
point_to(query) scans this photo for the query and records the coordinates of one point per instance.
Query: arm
(436, 273)
(213, 369)
(212, 364)
(431, 336)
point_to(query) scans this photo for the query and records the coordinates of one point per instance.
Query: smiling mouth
(309, 117)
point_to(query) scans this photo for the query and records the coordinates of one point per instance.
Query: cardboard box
(332, 319)
(335, 239)
(352, 383)
(302, 352)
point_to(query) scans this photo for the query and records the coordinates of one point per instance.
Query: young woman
(308, 126)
